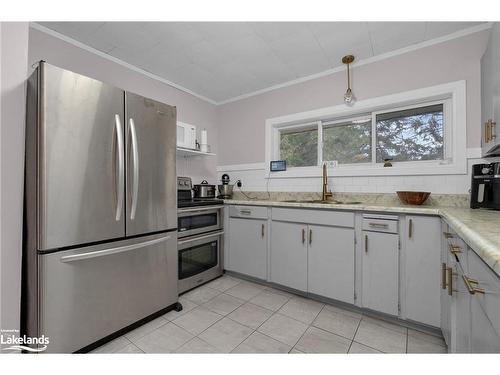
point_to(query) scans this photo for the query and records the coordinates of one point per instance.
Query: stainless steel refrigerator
(100, 240)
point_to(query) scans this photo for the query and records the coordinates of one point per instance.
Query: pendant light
(348, 96)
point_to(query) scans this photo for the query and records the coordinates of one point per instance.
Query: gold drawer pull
(454, 249)
(449, 283)
(447, 235)
(469, 284)
(443, 275)
(378, 225)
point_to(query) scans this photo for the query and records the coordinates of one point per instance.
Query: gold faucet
(325, 194)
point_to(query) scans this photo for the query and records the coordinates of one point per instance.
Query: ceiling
(223, 60)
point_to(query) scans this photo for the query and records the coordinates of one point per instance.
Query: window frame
(451, 95)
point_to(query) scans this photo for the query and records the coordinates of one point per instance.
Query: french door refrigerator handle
(135, 160)
(120, 186)
(114, 250)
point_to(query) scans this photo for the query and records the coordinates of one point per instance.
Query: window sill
(372, 170)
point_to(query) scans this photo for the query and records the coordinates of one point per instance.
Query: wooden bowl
(413, 197)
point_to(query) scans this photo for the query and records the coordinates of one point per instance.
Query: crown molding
(106, 56)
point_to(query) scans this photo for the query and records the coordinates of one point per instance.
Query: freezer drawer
(89, 293)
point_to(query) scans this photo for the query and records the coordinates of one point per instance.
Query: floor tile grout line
(308, 326)
(368, 346)
(334, 333)
(355, 333)
(222, 317)
(255, 329)
(406, 341)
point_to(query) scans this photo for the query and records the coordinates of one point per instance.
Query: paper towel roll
(204, 137)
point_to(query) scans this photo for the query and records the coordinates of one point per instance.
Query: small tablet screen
(278, 165)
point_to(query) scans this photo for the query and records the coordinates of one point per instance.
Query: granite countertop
(480, 229)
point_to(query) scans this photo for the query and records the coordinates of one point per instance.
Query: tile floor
(230, 315)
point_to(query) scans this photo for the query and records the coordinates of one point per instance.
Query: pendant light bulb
(349, 98)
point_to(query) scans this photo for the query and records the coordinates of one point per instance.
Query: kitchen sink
(321, 201)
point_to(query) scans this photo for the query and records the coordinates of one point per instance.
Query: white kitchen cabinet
(445, 300)
(380, 275)
(484, 338)
(289, 254)
(485, 306)
(248, 247)
(331, 262)
(490, 92)
(461, 306)
(422, 272)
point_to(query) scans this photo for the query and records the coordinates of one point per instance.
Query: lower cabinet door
(422, 269)
(445, 297)
(248, 247)
(380, 286)
(484, 338)
(331, 262)
(462, 308)
(289, 255)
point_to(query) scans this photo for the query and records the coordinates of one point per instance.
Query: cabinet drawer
(321, 217)
(455, 245)
(490, 282)
(380, 225)
(254, 212)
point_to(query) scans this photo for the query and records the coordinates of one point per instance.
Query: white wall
(190, 109)
(241, 124)
(13, 67)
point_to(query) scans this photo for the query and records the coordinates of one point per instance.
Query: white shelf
(188, 152)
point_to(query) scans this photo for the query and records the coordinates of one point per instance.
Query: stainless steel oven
(199, 259)
(197, 220)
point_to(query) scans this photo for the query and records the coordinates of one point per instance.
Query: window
(299, 146)
(423, 131)
(348, 141)
(411, 134)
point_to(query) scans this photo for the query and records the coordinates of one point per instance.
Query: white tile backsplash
(255, 180)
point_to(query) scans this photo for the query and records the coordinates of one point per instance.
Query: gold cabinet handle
(310, 236)
(443, 275)
(470, 287)
(379, 225)
(486, 131)
(468, 284)
(410, 228)
(303, 235)
(447, 235)
(492, 126)
(449, 282)
(262, 231)
(454, 249)
(366, 243)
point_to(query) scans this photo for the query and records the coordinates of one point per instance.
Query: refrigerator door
(89, 293)
(80, 160)
(151, 166)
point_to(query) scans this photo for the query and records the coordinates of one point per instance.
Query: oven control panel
(184, 183)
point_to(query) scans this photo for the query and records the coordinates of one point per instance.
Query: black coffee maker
(485, 186)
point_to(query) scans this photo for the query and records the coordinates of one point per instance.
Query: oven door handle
(192, 239)
(198, 209)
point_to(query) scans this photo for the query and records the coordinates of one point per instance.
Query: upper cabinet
(490, 94)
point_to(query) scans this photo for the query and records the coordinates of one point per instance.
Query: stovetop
(184, 196)
(194, 202)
